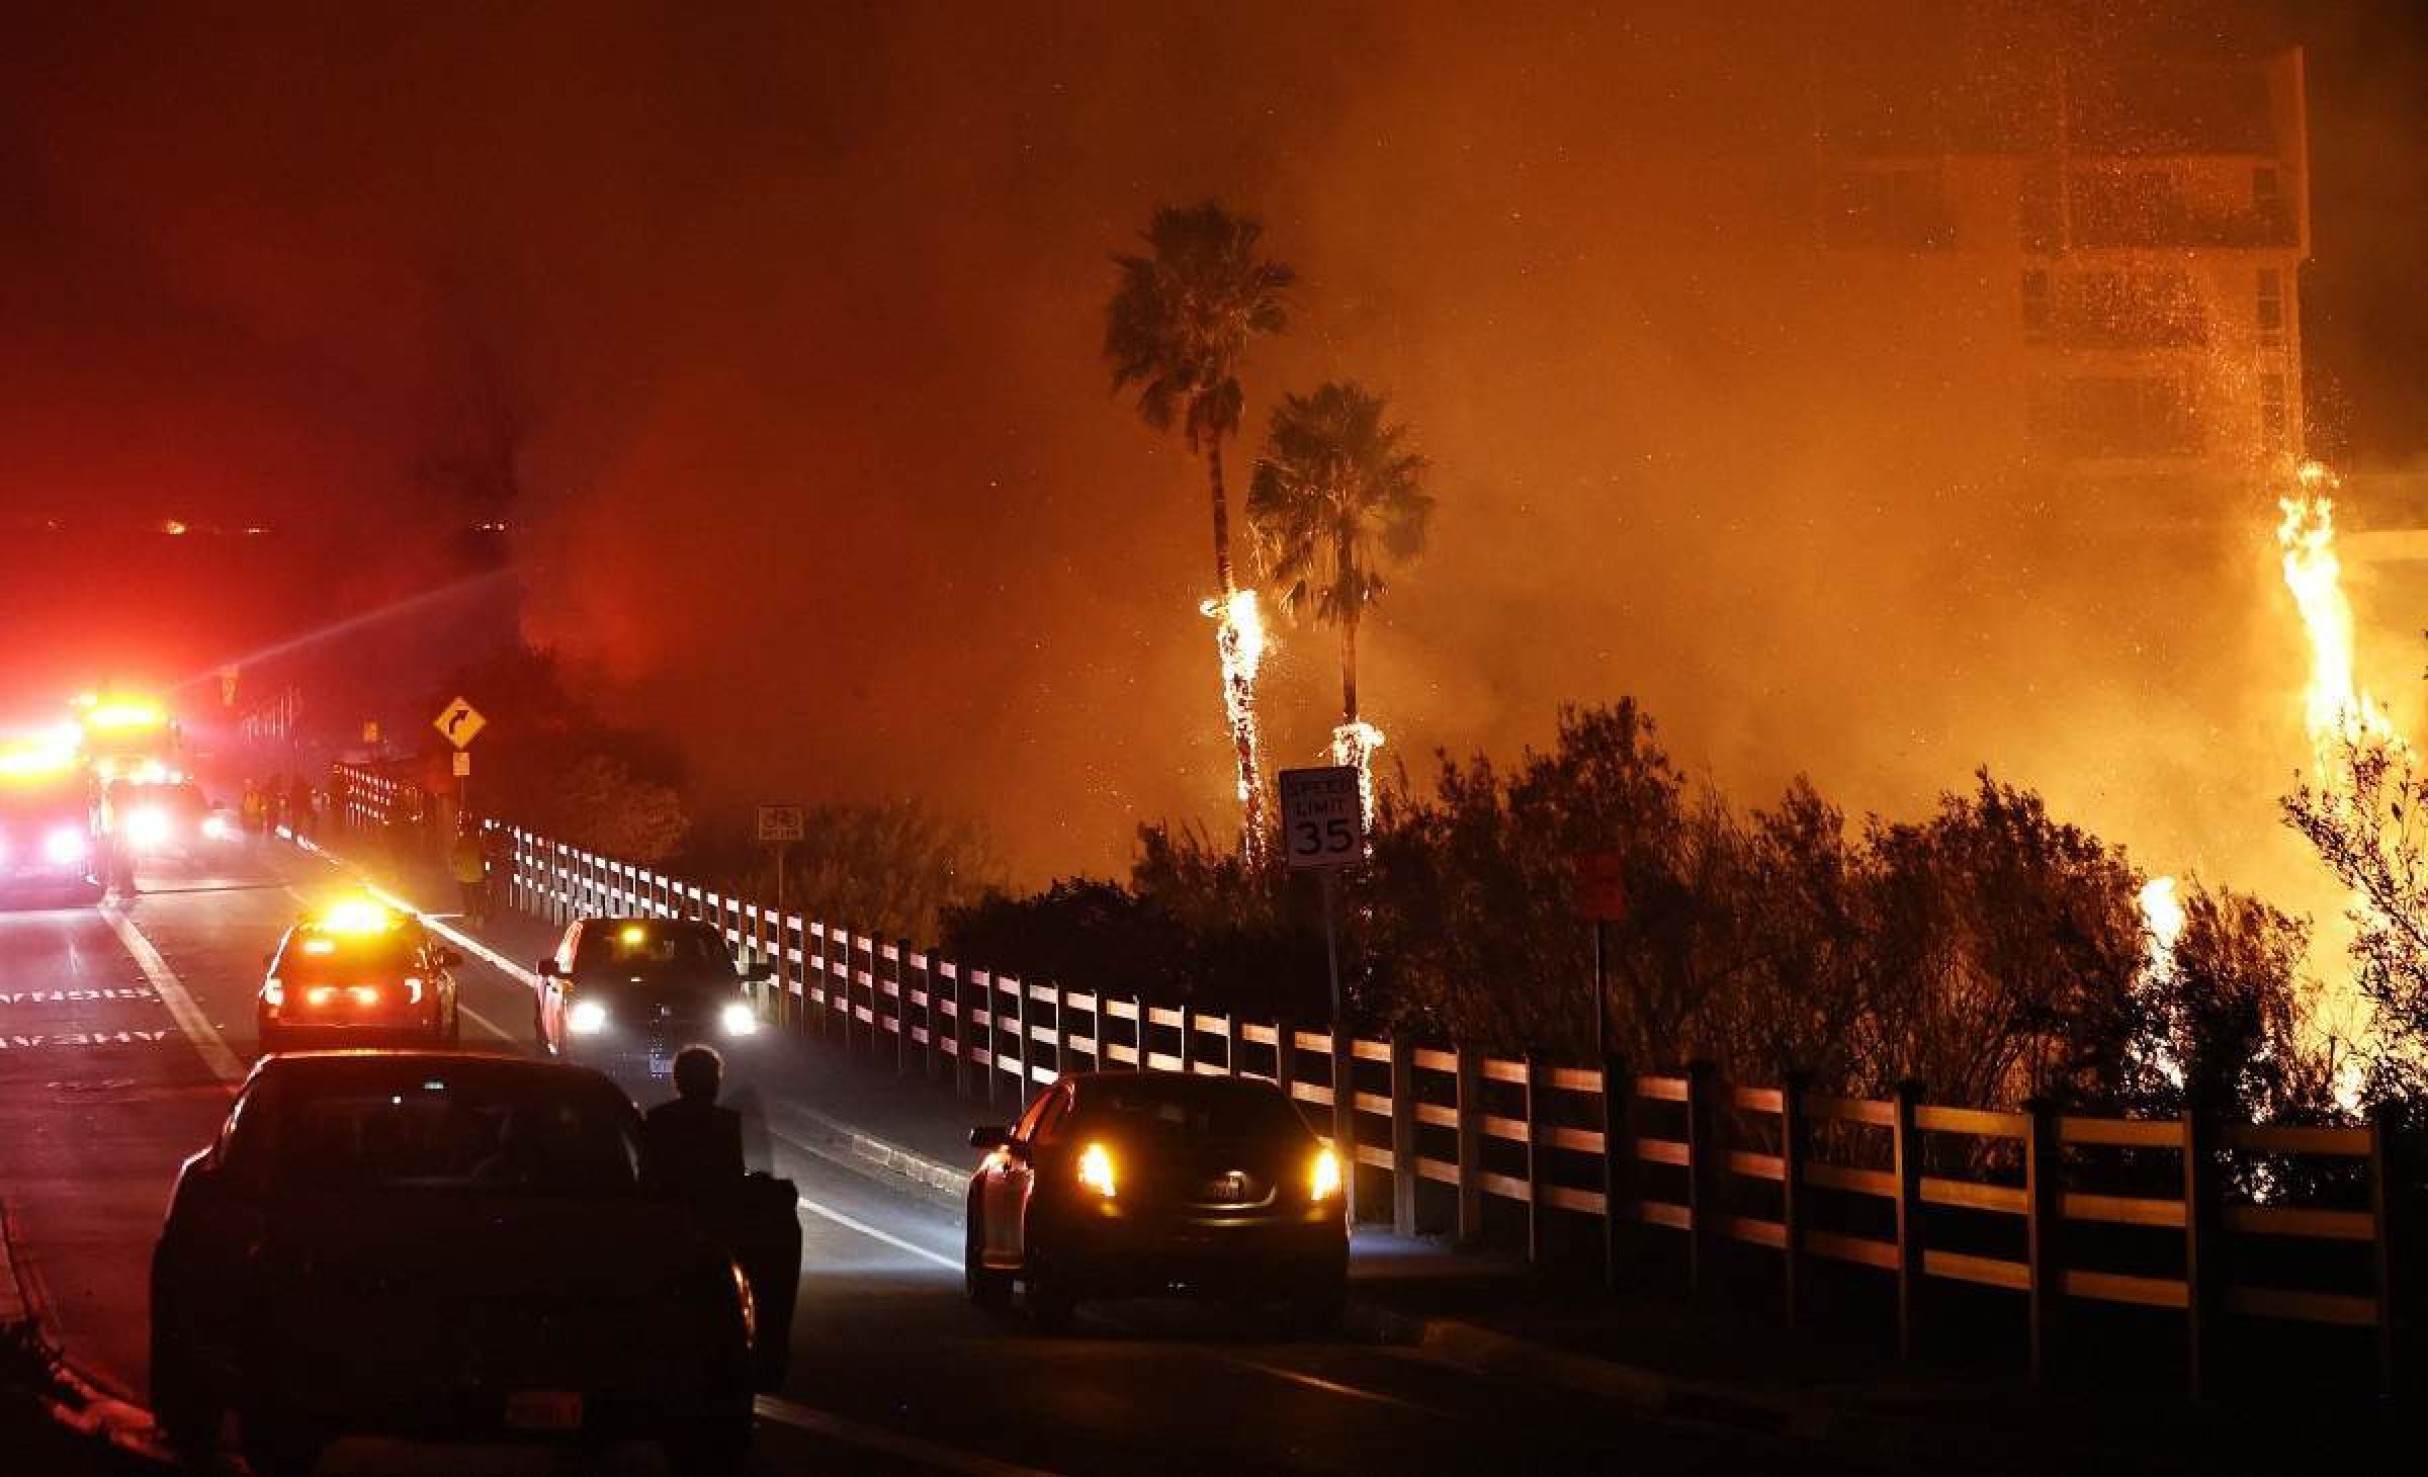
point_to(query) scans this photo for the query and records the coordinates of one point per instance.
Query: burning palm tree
(1179, 323)
(1337, 493)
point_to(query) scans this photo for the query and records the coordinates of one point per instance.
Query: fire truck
(51, 847)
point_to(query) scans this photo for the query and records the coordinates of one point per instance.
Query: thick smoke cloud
(798, 309)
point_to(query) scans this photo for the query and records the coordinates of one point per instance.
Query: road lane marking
(208, 1043)
(852, 1223)
(892, 1443)
(1319, 1383)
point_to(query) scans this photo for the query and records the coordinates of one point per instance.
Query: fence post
(1906, 1155)
(1062, 1029)
(1188, 1039)
(1237, 1023)
(1538, 1214)
(1344, 1108)
(2202, 1227)
(1285, 1057)
(2381, 1207)
(901, 983)
(1470, 1146)
(1403, 1135)
(961, 1026)
(1706, 1164)
(1020, 1037)
(1795, 1139)
(1618, 1164)
(2043, 1231)
(1138, 1030)
(929, 1015)
(982, 980)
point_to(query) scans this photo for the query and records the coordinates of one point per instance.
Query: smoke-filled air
(798, 317)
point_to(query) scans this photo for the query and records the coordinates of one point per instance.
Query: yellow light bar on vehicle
(124, 714)
(634, 934)
(355, 915)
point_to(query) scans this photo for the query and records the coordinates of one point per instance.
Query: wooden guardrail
(2023, 1202)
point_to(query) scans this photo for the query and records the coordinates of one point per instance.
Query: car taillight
(320, 994)
(364, 994)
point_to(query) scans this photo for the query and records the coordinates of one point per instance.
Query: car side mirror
(546, 969)
(990, 1138)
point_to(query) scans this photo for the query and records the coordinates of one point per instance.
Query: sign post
(780, 826)
(1601, 894)
(1323, 822)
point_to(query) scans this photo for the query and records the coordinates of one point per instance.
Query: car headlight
(148, 827)
(1096, 1170)
(217, 827)
(64, 846)
(1323, 1177)
(587, 1018)
(738, 1019)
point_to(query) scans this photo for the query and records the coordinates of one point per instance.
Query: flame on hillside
(2338, 713)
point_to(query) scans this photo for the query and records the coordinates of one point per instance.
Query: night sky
(773, 330)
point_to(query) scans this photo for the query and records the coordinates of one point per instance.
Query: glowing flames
(1354, 744)
(2162, 915)
(1239, 636)
(2162, 919)
(2338, 712)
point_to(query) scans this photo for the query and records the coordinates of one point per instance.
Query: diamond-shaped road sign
(460, 722)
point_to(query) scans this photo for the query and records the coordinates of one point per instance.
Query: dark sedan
(625, 994)
(1124, 1183)
(440, 1245)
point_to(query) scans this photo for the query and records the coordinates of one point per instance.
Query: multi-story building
(2144, 224)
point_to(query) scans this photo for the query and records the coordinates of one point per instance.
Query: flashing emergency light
(124, 715)
(355, 916)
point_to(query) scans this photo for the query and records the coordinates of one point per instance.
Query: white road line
(892, 1443)
(212, 1047)
(851, 1223)
(1318, 1382)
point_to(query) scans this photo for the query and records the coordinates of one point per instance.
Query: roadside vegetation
(1986, 948)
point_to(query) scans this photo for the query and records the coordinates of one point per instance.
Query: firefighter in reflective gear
(471, 868)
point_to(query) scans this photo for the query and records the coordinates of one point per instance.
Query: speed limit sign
(1323, 818)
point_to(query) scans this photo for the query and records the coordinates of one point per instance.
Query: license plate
(1229, 1189)
(544, 1410)
(660, 1064)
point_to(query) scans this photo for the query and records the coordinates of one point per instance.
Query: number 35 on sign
(1322, 817)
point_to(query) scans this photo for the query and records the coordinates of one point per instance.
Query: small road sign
(1323, 818)
(782, 823)
(1602, 886)
(463, 763)
(370, 730)
(460, 722)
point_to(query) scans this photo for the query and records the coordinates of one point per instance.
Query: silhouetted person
(691, 1149)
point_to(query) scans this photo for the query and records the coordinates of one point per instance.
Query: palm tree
(1179, 323)
(1337, 493)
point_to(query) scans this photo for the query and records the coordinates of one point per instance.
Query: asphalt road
(123, 1028)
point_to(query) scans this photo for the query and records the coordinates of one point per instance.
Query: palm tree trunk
(1348, 668)
(1222, 520)
(1239, 690)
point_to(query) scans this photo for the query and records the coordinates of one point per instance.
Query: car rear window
(1200, 1108)
(439, 1130)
